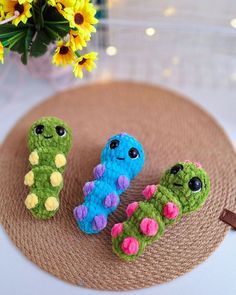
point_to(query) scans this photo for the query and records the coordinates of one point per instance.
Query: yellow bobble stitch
(31, 201)
(56, 178)
(51, 204)
(60, 160)
(29, 178)
(34, 158)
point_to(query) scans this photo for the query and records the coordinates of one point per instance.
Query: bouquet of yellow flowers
(29, 26)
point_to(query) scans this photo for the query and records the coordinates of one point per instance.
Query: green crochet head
(50, 132)
(189, 183)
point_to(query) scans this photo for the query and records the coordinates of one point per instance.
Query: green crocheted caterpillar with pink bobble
(49, 142)
(183, 189)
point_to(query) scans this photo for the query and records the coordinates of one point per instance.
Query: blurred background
(185, 45)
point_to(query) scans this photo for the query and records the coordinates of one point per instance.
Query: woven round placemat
(171, 129)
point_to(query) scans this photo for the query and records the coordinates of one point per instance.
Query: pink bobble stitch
(116, 230)
(149, 191)
(198, 164)
(149, 226)
(131, 208)
(130, 246)
(171, 211)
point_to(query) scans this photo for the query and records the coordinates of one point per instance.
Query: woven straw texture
(171, 129)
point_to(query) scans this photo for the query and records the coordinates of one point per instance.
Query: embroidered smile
(177, 184)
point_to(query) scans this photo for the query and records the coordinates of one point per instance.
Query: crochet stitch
(122, 159)
(49, 141)
(183, 189)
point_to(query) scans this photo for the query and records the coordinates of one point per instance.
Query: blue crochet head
(126, 152)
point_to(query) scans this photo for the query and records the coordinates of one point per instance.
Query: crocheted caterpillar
(49, 141)
(183, 188)
(122, 159)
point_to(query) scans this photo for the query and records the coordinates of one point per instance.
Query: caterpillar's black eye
(195, 184)
(133, 153)
(61, 131)
(38, 129)
(176, 169)
(114, 144)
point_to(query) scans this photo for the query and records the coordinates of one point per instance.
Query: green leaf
(27, 42)
(12, 40)
(6, 28)
(78, 54)
(41, 14)
(56, 22)
(52, 14)
(59, 30)
(52, 35)
(7, 35)
(34, 14)
(39, 45)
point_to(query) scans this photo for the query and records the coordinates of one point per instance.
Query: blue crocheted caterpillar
(122, 159)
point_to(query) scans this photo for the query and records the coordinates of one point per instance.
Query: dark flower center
(64, 50)
(82, 61)
(19, 7)
(79, 19)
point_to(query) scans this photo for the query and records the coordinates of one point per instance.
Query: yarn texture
(49, 141)
(94, 112)
(122, 159)
(183, 189)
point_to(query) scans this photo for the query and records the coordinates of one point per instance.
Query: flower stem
(16, 14)
(77, 54)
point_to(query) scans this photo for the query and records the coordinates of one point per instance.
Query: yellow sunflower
(1, 53)
(2, 14)
(83, 16)
(61, 3)
(64, 7)
(25, 1)
(85, 61)
(78, 40)
(10, 7)
(51, 2)
(63, 55)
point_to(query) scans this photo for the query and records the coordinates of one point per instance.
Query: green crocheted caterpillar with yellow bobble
(49, 141)
(183, 189)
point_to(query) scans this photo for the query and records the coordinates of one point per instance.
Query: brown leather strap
(228, 217)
